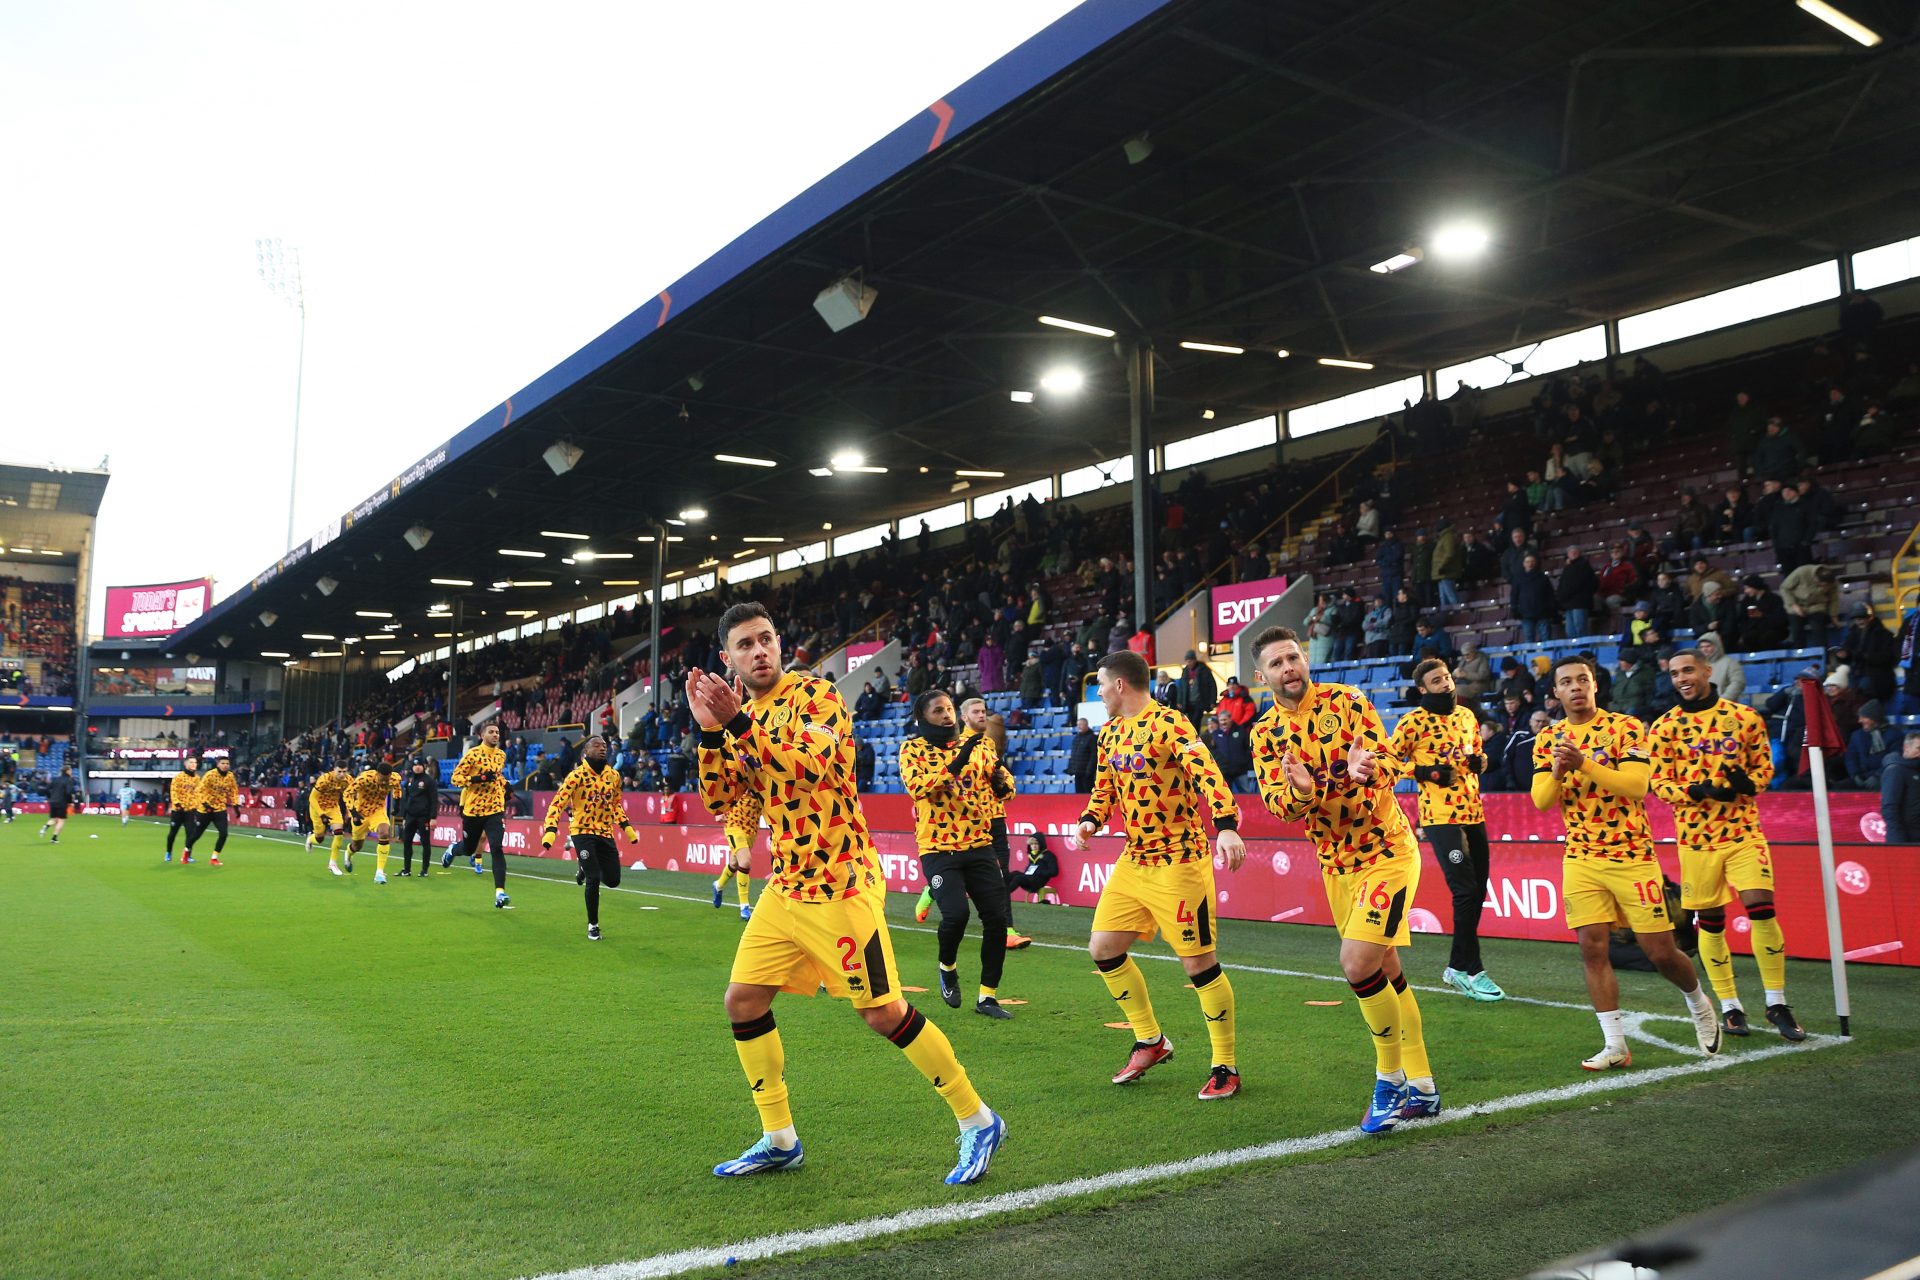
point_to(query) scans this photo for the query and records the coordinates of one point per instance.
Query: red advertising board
(858, 655)
(145, 613)
(1235, 606)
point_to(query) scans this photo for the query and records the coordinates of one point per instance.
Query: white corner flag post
(1823, 825)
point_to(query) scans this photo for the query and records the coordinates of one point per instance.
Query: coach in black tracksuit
(419, 805)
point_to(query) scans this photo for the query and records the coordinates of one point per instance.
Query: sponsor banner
(858, 655)
(150, 612)
(1235, 606)
(168, 753)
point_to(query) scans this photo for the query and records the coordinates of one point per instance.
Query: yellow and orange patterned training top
(1164, 782)
(793, 750)
(1352, 824)
(1600, 824)
(1422, 739)
(1700, 746)
(328, 790)
(996, 802)
(183, 793)
(481, 799)
(743, 822)
(217, 792)
(368, 793)
(952, 811)
(591, 798)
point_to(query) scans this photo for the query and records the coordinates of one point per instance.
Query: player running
(788, 739)
(183, 802)
(126, 802)
(217, 795)
(419, 803)
(979, 721)
(367, 800)
(59, 800)
(741, 826)
(483, 804)
(1316, 756)
(1164, 784)
(1593, 766)
(1710, 760)
(591, 795)
(951, 778)
(326, 808)
(1438, 745)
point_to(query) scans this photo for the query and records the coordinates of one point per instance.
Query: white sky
(476, 189)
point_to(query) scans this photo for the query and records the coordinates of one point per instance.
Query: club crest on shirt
(1328, 724)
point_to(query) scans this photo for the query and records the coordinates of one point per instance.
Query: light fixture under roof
(1398, 262)
(819, 471)
(316, 635)
(740, 460)
(519, 583)
(273, 654)
(1283, 353)
(1335, 362)
(762, 538)
(869, 471)
(586, 556)
(1064, 380)
(1207, 414)
(1220, 348)
(982, 475)
(1849, 27)
(1076, 326)
(372, 613)
(530, 555)
(620, 582)
(847, 460)
(1021, 397)
(555, 533)
(694, 513)
(450, 582)
(1459, 240)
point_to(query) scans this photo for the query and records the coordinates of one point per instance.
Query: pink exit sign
(1234, 607)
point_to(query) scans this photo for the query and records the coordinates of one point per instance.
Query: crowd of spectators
(37, 623)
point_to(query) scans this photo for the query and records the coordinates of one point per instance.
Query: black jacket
(1230, 751)
(1533, 597)
(60, 793)
(1084, 757)
(420, 797)
(1577, 586)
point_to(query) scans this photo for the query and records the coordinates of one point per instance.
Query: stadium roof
(1620, 156)
(46, 513)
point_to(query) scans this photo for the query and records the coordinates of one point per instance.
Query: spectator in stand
(1900, 793)
(1733, 518)
(1869, 650)
(1874, 434)
(1597, 486)
(1320, 622)
(1533, 600)
(1431, 641)
(1828, 513)
(863, 764)
(1619, 580)
(1837, 420)
(1811, 595)
(1860, 318)
(1513, 556)
(1791, 526)
(1763, 619)
(1347, 617)
(1073, 674)
(1473, 674)
(1778, 455)
(1729, 677)
(1633, 634)
(1537, 490)
(1745, 426)
(1703, 573)
(1342, 546)
(1375, 627)
(1083, 756)
(1869, 747)
(1400, 633)
(869, 704)
(1633, 691)
(1519, 753)
(1905, 394)
(1642, 551)
(1516, 513)
(1669, 603)
(1366, 525)
(1199, 691)
(1574, 593)
(1237, 704)
(1559, 479)
(1516, 686)
(1482, 561)
(1120, 634)
(1390, 557)
(1033, 684)
(1449, 563)
(1846, 702)
(1229, 744)
(1692, 524)
(1422, 571)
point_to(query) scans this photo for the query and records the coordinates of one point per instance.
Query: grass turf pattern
(262, 1069)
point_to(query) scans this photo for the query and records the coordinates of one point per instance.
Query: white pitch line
(869, 1229)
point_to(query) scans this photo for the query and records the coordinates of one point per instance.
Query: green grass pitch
(262, 1070)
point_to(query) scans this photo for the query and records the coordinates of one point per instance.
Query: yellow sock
(1216, 1002)
(744, 880)
(1769, 948)
(1717, 958)
(929, 1050)
(1380, 1006)
(1129, 987)
(988, 993)
(765, 1061)
(333, 850)
(1413, 1042)
(380, 858)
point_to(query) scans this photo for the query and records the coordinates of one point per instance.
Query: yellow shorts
(365, 824)
(1597, 891)
(1175, 900)
(324, 820)
(1372, 904)
(739, 847)
(1710, 877)
(801, 946)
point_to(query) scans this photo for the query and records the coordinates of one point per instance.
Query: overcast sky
(476, 190)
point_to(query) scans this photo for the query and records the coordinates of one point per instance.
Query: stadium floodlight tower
(279, 268)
